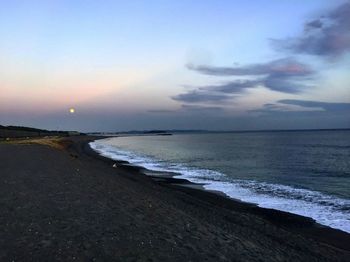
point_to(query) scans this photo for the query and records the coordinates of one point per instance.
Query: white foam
(325, 209)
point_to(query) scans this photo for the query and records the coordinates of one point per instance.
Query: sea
(301, 172)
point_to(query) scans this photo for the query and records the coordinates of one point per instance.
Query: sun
(72, 110)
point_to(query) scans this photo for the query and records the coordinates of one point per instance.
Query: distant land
(21, 131)
(189, 131)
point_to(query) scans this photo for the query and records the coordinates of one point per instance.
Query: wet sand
(70, 204)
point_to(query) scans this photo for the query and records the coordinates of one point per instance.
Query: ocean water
(302, 172)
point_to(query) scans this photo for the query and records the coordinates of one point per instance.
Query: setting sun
(72, 110)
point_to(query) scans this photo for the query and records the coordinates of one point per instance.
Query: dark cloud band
(282, 75)
(317, 104)
(200, 97)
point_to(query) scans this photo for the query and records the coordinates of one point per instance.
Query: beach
(67, 203)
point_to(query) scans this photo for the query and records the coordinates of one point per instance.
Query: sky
(141, 65)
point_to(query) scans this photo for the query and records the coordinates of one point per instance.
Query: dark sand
(72, 205)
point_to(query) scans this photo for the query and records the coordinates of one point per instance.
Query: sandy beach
(67, 203)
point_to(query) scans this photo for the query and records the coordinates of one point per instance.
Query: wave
(325, 209)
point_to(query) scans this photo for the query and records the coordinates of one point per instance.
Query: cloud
(201, 108)
(232, 87)
(285, 84)
(186, 107)
(327, 106)
(285, 66)
(328, 35)
(313, 24)
(300, 107)
(283, 75)
(160, 111)
(257, 69)
(199, 97)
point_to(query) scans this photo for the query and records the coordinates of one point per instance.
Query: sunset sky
(218, 65)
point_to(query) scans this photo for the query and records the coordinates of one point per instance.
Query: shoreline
(71, 204)
(168, 179)
(176, 178)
